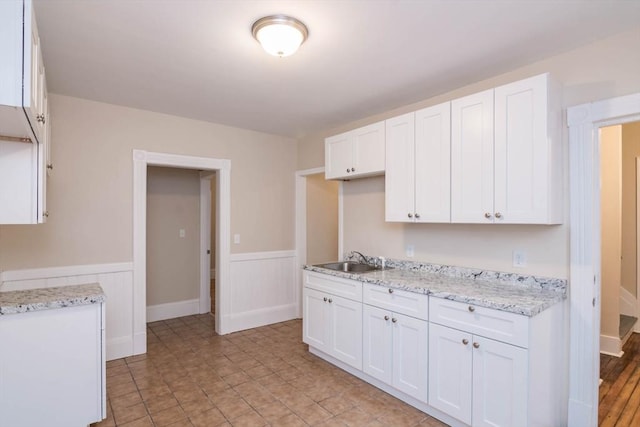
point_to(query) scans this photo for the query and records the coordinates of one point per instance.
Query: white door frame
(205, 242)
(142, 159)
(636, 328)
(584, 196)
(301, 226)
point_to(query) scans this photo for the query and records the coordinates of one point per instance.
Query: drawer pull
(390, 291)
(472, 308)
(330, 300)
(465, 341)
(386, 317)
(325, 299)
(394, 320)
(476, 345)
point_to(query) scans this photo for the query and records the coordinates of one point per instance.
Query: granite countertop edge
(515, 298)
(30, 300)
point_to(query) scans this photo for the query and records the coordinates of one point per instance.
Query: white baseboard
(119, 347)
(172, 310)
(261, 317)
(611, 346)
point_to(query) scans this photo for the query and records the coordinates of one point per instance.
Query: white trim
(611, 346)
(341, 220)
(68, 270)
(250, 256)
(204, 304)
(261, 317)
(172, 310)
(637, 326)
(584, 121)
(142, 159)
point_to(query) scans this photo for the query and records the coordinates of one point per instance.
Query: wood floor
(620, 390)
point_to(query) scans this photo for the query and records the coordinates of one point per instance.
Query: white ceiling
(197, 58)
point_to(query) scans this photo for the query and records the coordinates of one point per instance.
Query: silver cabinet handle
(498, 215)
(50, 166)
(40, 118)
(487, 215)
(394, 320)
(465, 341)
(45, 214)
(410, 215)
(353, 169)
(325, 299)
(390, 290)
(417, 215)
(330, 300)
(476, 345)
(386, 317)
(348, 170)
(472, 308)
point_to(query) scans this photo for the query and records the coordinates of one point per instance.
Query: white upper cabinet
(417, 177)
(506, 155)
(356, 153)
(528, 153)
(472, 158)
(24, 117)
(22, 73)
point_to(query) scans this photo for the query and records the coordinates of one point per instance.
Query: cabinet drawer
(498, 325)
(346, 288)
(399, 301)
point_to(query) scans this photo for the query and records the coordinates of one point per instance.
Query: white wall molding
(262, 289)
(116, 281)
(172, 310)
(584, 194)
(611, 346)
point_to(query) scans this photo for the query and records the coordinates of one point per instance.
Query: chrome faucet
(364, 258)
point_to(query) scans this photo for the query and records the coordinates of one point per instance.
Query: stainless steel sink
(348, 266)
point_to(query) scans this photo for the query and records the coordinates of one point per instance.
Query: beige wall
(610, 227)
(584, 79)
(173, 262)
(630, 151)
(322, 219)
(90, 191)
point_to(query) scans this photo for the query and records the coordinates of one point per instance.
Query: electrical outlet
(411, 251)
(519, 258)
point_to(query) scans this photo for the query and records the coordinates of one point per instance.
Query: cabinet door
(377, 343)
(522, 151)
(346, 330)
(51, 367)
(472, 158)
(369, 149)
(450, 375)
(338, 156)
(499, 384)
(399, 177)
(315, 320)
(410, 340)
(433, 164)
(18, 182)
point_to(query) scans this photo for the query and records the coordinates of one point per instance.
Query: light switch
(182, 233)
(236, 239)
(519, 258)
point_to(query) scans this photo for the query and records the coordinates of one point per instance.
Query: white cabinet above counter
(355, 154)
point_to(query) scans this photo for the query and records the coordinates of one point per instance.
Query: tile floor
(265, 376)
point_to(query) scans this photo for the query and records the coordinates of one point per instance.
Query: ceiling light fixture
(279, 35)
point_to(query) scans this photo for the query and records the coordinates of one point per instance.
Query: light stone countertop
(527, 297)
(13, 302)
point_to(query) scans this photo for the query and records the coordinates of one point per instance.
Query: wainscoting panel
(263, 289)
(115, 279)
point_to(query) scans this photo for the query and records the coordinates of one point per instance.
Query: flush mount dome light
(279, 35)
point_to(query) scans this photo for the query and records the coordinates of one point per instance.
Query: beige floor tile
(141, 422)
(313, 414)
(249, 419)
(291, 420)
(168, 416)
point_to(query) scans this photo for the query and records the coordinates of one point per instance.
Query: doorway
(585, 257)
(222, 167)
(318, 221)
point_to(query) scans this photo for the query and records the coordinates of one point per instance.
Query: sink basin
(348, 266)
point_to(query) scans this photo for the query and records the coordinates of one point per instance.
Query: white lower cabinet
(52, 367)
(395, 350)
(333, 325)
(479, 381)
